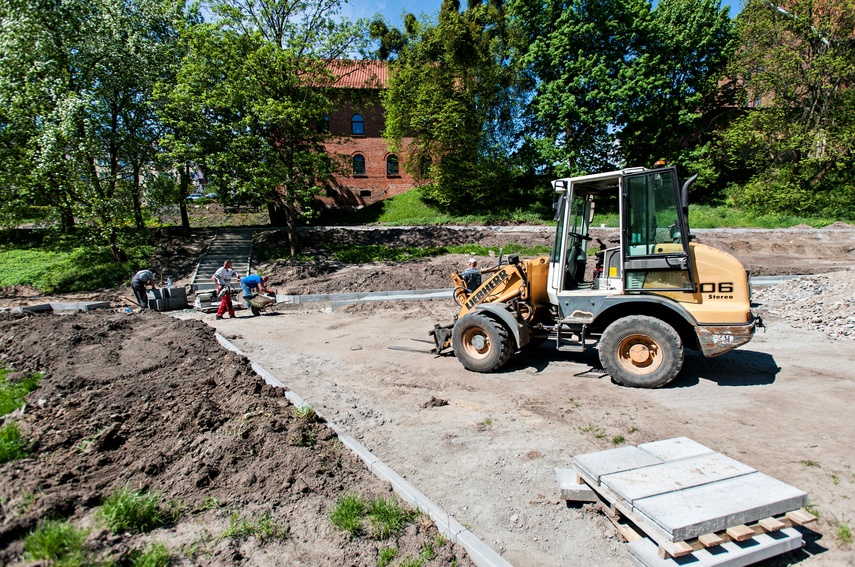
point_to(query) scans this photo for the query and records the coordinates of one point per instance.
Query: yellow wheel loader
(652, 295)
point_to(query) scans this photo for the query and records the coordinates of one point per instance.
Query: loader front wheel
(641, 352)
(480, 343)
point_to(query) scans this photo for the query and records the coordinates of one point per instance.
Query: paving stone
(595, 465)
(676, 448)
(667, 477)
(717, 506)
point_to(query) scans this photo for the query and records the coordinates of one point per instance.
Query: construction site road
(485, 447)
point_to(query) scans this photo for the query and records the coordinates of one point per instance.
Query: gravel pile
(823, 302)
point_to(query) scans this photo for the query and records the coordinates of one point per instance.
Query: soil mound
(154, 403)
(823, 302)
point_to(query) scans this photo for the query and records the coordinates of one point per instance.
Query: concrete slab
(731, 554)
(572, 490)
(676, 448)
(668, 477)
(717, 506)
(595, 465)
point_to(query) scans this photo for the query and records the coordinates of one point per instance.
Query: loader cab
(652, 249)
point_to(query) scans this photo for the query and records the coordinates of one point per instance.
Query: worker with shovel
(252, 284)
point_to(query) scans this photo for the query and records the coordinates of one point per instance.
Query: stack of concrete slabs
(678, 489)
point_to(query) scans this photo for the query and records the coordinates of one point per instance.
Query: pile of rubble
(823, 302)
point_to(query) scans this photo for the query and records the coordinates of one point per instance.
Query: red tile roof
(359, 74)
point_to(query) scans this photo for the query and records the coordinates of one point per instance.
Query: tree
(249, 95)
(76, 78)
(795, 137)
(671, 115)
(450, 104)
(616, 83)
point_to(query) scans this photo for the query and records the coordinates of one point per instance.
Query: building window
(359, 164)
(392, 165)
(325, 124)
(357, 125)
(365, 193)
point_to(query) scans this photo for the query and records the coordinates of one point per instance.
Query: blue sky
(392, 9)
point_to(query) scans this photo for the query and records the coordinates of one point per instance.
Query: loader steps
(677, 502)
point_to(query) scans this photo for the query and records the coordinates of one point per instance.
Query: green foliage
(790, 148)
(412, 209)
(844, 533)
(450, 104)
(75, 83)
(387, 517)
(155, 555)
(248, 99)
(263, 528)
(386, 555)
(347, 514)
(617, 82)
(12, 394)
(12, 444)
(81, 268)
(57, 542)
(133, 511)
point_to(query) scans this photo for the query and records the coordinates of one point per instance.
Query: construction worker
(138, 283)
(471, 275)
(223, 278)
(253, 284)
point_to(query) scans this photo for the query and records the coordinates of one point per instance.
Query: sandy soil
(780, 404)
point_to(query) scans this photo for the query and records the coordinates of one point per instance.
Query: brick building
(356, 135)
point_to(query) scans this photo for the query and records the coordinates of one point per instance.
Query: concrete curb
(480, 553)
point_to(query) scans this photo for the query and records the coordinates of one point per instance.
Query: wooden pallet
(682, 498)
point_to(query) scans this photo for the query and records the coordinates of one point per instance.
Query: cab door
(654, 238)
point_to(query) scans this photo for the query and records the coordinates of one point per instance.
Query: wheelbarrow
(258, 302)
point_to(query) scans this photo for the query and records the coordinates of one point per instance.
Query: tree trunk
(118, 254)
(184, 182)
(283, 215)
(135, 197)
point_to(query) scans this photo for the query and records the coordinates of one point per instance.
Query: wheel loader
(652, 294)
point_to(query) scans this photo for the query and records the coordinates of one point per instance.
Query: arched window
(357, 125)
(359, 164)
(392, 165)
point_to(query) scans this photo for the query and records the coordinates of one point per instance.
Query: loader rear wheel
(641, 352)
(480, 343)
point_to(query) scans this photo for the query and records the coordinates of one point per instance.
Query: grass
(810, 463)
(12, 443)
(844, 533)
(262, 527)
(410, 209)
(133, 511)
(386, 555)
(58, 543)
(618, 439)
(347, 514)
(57, 269)
(155, 555)
(385, 516)
(12, 395)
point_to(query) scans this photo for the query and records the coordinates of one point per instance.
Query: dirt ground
(157, 397)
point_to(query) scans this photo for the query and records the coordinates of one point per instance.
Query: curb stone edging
(480, 553)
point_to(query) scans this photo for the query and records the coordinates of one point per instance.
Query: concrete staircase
(234, 244)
